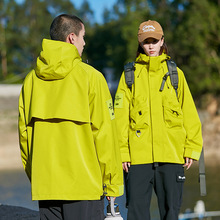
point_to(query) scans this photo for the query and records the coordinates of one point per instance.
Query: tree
(6, 12)
(115, 42)
(198, 35)
(191, 27)
(3, 48)
(86, 14)
(25, 26)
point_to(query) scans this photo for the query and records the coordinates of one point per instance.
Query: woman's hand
(126, 166)
(188, 163)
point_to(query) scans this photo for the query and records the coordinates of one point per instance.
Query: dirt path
(9, 148)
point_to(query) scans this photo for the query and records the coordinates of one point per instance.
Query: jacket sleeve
(192, 124)
(23, 137)
(122, 106)
(105, 136)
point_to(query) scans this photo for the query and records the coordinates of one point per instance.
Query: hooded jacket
(67, 132)
(153, 125)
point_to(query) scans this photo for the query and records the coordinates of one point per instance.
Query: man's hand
(126, 166)
(108, 198)
(188, 163)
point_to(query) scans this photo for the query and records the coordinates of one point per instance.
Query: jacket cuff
(114, 190)
(125, 157)
(191, 153)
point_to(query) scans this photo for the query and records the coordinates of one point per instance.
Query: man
(67, 134)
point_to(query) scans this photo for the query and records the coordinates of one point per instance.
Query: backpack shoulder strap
(172, 72)
(129, 74)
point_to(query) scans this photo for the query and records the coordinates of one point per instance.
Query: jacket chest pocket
(139, 116)
(173, 115)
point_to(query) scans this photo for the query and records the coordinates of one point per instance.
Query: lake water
(15, 190)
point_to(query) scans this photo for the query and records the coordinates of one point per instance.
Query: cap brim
(143, 36)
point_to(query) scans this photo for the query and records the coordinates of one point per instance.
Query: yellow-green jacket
(154, 126)
(67, 132)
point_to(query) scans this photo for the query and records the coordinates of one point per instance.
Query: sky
(97, 6)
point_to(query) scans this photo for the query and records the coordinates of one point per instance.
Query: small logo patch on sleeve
(119, 100)
(111, 109)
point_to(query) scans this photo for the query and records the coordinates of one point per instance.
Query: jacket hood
(56, 60)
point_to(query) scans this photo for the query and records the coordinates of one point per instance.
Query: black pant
(167, 181)
(71, 210)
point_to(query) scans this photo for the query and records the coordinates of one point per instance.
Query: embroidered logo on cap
(147, 28)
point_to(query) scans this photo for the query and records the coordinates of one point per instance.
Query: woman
(159, 129)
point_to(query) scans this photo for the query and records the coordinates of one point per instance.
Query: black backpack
(129, 69)
(172, 72)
